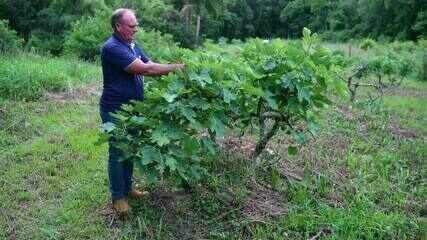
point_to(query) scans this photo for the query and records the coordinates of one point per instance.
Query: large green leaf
(171, 163)
(160, 137)
(209, 144)
(190, 145)
(228, 96)
(150, 154)
(217, 126)
(269, 97)
(169, 97)
(304, 93)
(188, 113)
(203, 78)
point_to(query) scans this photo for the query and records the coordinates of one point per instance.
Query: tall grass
(28, 76)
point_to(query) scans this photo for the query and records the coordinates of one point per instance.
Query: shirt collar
(117, 36)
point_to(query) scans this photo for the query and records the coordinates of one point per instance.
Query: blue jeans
(119, 172)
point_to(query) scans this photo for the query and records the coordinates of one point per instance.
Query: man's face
(127, 27)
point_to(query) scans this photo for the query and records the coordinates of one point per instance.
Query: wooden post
(349, 49)
(198, 30)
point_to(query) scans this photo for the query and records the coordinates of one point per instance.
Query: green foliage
(28, 77)
(386, 66)
(420, 25)
(159, 15)
(364, 183)
(174, 129)
(9, 41)
(44, 22)
(407, 46)
(367, 44)
(164, 139)
(422, 43)
(88, 34)
(22, 14)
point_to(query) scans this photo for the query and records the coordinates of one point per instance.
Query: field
(362, 177)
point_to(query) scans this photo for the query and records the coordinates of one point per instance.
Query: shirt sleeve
(144, 56)
(118, 56)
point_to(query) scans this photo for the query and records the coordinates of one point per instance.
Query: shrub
(336, 36)
(172, 133)
(89, 33)
(367, 44)
(9, 40)
(407, 46)
(44, 42)
(422, 43)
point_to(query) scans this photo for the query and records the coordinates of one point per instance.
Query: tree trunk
(186, 15)
(198, 29)
(263, 142)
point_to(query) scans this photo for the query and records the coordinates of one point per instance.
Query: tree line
(44, 24)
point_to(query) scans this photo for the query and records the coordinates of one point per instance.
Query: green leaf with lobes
(217, 126)
(190, 145)
(137, 120)
(209, 144)
(188, 113)
(158, 136)
(269, 97)
(304, 94)
(169, 97)
(150, 154)
(228, 96)
(201, 78)
(171, 163)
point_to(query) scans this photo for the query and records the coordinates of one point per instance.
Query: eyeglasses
(131, 26)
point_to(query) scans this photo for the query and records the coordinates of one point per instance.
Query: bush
(89, 33)
(368, 43)
(422, 43)
(9, 40)
(172, 133)
(44, 42)
(336, 36)
(407, 46)
(28, 77)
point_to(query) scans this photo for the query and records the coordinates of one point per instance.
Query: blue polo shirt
(120, 87)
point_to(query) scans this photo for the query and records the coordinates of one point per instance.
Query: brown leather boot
(121, 206)
(135, 194)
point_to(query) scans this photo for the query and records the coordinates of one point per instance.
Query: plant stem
(263, 141)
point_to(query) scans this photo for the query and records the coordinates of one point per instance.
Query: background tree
(9, 41)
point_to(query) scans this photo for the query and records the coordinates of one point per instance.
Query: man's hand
(151, 68)
(179, 66)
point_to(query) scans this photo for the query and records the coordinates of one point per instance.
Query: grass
(27, 77)
(363, 177)
(412, 111)
(380, 196)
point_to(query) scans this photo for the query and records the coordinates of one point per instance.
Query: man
(124, 65)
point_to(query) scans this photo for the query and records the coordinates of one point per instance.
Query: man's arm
(151, 69)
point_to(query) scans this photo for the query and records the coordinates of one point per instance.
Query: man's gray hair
(118, 15)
